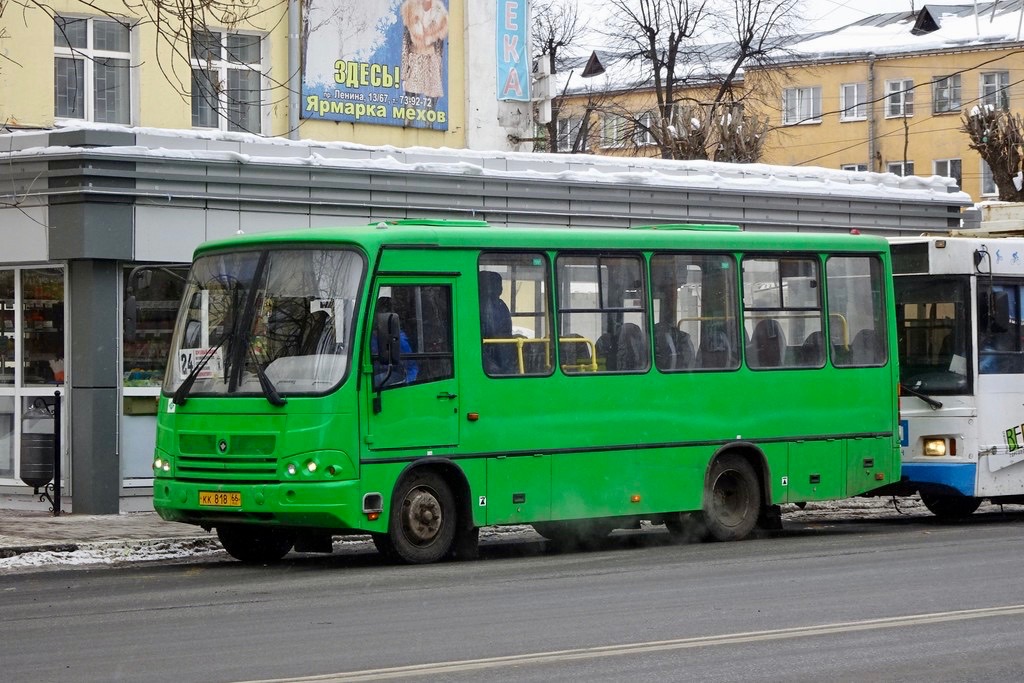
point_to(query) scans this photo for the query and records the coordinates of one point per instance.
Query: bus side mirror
(389, 350)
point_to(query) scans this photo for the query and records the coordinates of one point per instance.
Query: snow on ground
(119, 553)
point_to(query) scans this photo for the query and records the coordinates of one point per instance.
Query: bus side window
(781, 303)
(515, 319)
(695, 309)
(602, 299)
(855, 302)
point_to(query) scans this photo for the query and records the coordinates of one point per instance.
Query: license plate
(226, 499)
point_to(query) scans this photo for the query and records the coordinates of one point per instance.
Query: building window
(995, 89)
(988, 183)
(899, 98)
(950, 168)
(853, 100)
(91, 70)
(856, 168)
(643, 134)
(801, 105)
(946, 94)
(226, 80)
(612, 130)
(901, 168)
(568, 132)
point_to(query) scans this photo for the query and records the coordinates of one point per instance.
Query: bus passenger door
(414, 404)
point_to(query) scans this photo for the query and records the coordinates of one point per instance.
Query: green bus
(418, 380)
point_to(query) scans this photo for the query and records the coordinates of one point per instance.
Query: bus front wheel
(255, 544)
(732, 498)
(950, 508)
(422, 525)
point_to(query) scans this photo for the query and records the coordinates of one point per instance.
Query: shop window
(151, 297)
(42, 292)
(7, 333)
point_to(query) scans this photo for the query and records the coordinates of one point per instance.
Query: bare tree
(998, 136)
(555, 25)
(695, 53)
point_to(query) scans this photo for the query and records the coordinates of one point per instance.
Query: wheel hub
(422, 516)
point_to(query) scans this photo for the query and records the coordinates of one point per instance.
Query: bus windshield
(934, 339)
(250, 317)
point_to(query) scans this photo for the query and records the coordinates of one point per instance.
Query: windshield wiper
(927, 399)
(181, 393)
(269, 390)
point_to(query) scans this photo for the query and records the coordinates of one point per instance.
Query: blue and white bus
(958, 310)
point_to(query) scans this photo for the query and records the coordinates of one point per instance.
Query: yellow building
(885, 94)
(375, 72)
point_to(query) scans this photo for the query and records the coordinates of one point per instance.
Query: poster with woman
(381, 62)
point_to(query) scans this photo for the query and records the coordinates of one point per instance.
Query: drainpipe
(871, 113)
(294, 69)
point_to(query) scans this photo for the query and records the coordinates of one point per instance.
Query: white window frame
(221, 66)
(853, 102)
(900, 168)
(854, 168)
(944, 167)
(642, 135)
(567, 129)
(88, 56)
(801, 106)
(994, 89)
(988, 182)
(899, 98)
(613, 130)
(951, 86)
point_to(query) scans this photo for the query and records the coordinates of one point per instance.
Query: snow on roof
(955, 27)
(243, 148)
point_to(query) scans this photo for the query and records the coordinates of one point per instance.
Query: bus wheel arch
(734, 493)
(429, 506)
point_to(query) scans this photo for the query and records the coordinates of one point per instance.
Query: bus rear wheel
(423, 520)
(255, 544)
(950, 508)
(732, 499)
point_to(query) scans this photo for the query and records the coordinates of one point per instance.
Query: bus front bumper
(335, 506)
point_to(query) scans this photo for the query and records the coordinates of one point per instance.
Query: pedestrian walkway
(23, 531)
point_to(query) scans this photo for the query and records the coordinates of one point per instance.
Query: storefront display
(151, 296)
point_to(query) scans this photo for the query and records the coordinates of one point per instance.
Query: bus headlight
(933, 446)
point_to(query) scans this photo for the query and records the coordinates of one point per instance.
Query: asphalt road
(905, 599)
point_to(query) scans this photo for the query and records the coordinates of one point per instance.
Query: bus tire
(255, 544)
(732, 498)
(950, 508)
(423, 519)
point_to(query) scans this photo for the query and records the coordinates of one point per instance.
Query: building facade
(885, 94)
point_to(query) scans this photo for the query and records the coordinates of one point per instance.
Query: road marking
(557, 656)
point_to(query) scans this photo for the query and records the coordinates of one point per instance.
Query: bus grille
(248, 458)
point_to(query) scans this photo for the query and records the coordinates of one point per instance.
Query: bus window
(601, 301)
(932, 329)
(856, 311)
(515, 321)
(425, 333)
(782, 313)
(694, 306)
(999, 338)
